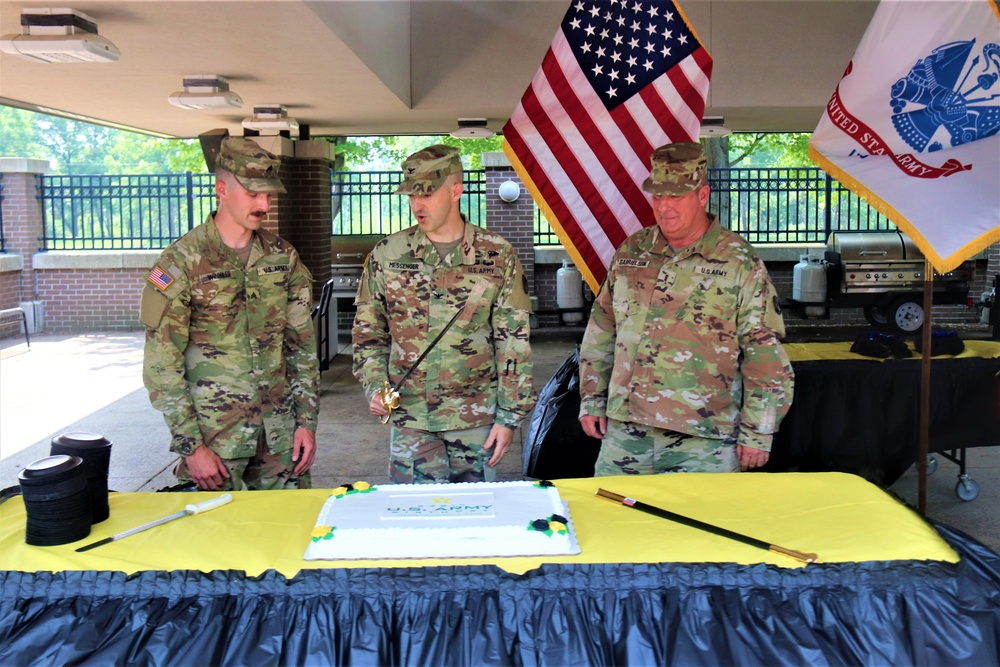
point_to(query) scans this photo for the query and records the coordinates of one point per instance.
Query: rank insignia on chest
(160, 278)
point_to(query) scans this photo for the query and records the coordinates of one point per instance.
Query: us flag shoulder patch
(160, 278)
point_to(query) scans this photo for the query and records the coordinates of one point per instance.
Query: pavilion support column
(515, 220)
(303, 215)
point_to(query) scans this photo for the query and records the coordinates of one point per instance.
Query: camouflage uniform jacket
(480, 371)
(688, 341)
(230, 348)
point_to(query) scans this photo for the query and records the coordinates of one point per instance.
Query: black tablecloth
(859, 416)
(873, 613)
(862, 416)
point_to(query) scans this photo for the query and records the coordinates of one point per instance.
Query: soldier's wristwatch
(186, 449)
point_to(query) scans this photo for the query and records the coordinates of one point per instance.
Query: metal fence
(122, 212)
(770, 206)
(766, 206)
(367, 204)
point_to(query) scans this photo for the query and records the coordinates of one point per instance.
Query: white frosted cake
(465, 520)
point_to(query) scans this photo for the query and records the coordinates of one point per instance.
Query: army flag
(912, 126)
(619, 79)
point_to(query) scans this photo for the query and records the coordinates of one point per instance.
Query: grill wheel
(907, 314)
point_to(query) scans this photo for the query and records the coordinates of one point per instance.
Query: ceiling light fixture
(714, 126)
(472, 128)
(270, 118)
(205, 91)
(59, 35)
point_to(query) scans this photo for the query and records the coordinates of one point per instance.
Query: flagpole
(925, 390)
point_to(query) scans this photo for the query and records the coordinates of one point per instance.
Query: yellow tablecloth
(840, 517)
(985, 349)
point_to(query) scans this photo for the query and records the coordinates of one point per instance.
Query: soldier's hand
(751, 458)
(595, 427)
(303, 450)
(499, 441)
(376, 407)
(207, 470)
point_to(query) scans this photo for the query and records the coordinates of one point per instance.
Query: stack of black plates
(95, 450)
(56, 500)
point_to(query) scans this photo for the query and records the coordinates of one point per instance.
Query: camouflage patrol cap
(425, 171)
(677, 169)
(255, 168)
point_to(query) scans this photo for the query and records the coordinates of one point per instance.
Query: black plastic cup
(95, 450)
(56, 500)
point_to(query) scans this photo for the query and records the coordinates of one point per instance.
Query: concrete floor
(92, 383)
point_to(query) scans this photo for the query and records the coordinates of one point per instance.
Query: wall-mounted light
(509, 191)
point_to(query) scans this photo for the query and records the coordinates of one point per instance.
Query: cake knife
(190, 509)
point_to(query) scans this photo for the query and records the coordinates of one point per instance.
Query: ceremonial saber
(190, 509)
(701, 525)
(389, 396)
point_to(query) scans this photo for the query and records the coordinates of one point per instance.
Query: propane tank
(569, 291)
(809, 283)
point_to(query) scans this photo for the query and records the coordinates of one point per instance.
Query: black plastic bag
(555, 446)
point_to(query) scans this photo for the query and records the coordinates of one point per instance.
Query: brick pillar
(22, 220)
(307, 219)
(303, 216)
(515, 221)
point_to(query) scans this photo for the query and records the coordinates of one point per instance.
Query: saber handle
(707, 527)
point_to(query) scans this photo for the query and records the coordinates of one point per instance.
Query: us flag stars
(621, 46)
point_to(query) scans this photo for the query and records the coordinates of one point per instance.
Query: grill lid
(352, 250)
(873, 247)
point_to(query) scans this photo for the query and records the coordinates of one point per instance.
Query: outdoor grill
(348, 259)
(875, 262)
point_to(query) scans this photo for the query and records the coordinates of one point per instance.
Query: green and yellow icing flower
(322, 533)
(554, 525)
(348, 489)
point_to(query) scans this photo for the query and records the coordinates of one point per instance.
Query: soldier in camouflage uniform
(681, 367)
(458, 410)
(230, 358)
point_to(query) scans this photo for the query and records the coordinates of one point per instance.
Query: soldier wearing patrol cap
(681, 365)
(454, 415)
(230, 358)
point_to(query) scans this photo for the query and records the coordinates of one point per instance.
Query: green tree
(75, 147)
(378, 153)
(18, 136)
(769, 149)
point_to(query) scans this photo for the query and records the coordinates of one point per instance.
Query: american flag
(619, 79)
(159, 278)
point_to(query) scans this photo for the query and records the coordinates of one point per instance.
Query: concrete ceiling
(362, 67)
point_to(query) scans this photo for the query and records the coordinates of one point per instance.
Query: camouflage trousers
(263, 471)
(425, 457)
(636, 449)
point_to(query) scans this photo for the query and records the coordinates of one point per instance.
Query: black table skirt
(898, 613)
(862, 416)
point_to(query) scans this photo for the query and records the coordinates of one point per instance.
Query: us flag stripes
(619, 79)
